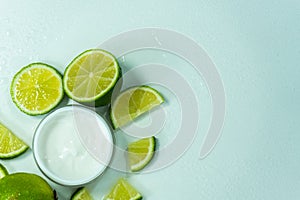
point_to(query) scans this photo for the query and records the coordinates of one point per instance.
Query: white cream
(73, 145)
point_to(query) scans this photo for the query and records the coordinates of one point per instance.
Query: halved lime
(91, 76)
(123, 191)
(132, 103)
(10, 145)
(3, 171)
(140, 153)
(81, 194)
(37, 88)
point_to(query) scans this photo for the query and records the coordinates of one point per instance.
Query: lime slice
(10, 145)
(132, 103)
(123, 191)
(140, 153)
(37, 88)
(3, 171)
(91, 76)
(81, 194)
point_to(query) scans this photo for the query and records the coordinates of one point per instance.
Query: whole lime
(24, 186)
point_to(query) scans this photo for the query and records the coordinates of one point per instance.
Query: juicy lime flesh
(37, 89)
(10, 145)
(24, 186)
(91, 75)
(134, 102)
(123, 191)
(81, 194)
(140, 153)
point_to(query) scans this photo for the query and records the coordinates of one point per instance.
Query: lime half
(123, 191)
(3, 171)
(140, 153)
(10, 145)
(37, 88)
(132, 103)
(91, 76)
(81, 194)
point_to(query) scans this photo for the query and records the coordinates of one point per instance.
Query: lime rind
(14, 154)
(27, 68)
(3, 171)
(113, 119)
(93, 100)
(143, 163)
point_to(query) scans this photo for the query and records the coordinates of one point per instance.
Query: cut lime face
(37, 88)
(140, 153)
(81, 194)
(91, 76)
(123, 191)
(3, 171)
(132, 103)
(10, 145)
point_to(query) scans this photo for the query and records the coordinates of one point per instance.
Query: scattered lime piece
(91, 77)
(81, 194)
(10, 145)
(3, 171)
(37, 88)
(24, 186)
(123, 191)
(140, 153)
(132, 103)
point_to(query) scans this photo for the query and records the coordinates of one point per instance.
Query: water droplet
(30, 58)
(20, 50)
(8, 33)
(3, 61)
(45, 37)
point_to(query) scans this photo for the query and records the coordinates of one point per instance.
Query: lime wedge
(91, 76)
(140, 153)
(10, 145)
(81, 194)
(123, 191)
(132, 103)
(3, 171)
(37, 88)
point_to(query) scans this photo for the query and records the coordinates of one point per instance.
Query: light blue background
(256, 48)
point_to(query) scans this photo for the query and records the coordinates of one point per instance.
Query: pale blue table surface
(256, 48)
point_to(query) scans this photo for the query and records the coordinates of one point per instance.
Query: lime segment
(123, 191)
(140, 153)
(81, 194)
(3, 171)
(91, 76)
(10, 145)
(37, 88)
(132, 103)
